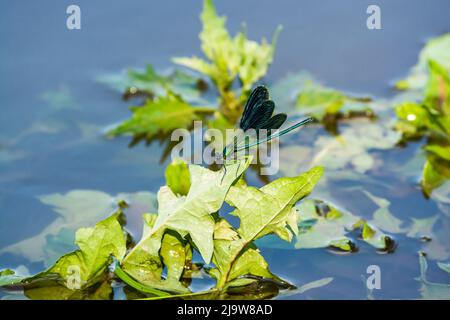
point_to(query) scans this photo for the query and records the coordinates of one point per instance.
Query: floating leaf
(327, 105)
(162, 115)
(431, 290)
(151, 84)
(86, 266)
(189, 214)
(306, 287)
(322, 225)
(383, 218)
(444, 266)
(352, 151)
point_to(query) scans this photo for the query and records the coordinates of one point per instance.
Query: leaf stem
(181, 295)
(135, 284)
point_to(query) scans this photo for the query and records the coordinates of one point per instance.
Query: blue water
(50, 144)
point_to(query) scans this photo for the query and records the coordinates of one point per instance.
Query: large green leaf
(86, 266)
(187, 215)
(97, 245)
(161, 115)
(261, 212)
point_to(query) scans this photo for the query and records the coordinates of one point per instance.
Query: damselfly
(257, 125)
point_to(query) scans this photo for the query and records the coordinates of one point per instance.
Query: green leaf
(432, 176)
(162, 115)
(177, 177)
(266, 210)
(8, 277)
(261, 212)
(413, 118)
(436, 49)
(319, 102)
(152, 84)
(144, 263)
(175, 253)
(437, 91)
(189, 214)
(96, 247)
(440, 151)
(86, 266)
(229, 58)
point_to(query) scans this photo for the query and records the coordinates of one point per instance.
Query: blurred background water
(53, 110)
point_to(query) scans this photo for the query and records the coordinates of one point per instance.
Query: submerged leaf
(152, 84)
(436, 49)
(75, 209)
(325, 104)
(431, 290)
(322, 225)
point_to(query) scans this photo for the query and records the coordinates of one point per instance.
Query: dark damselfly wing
(258, 112)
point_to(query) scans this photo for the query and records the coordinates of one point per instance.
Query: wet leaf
(86, 266)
